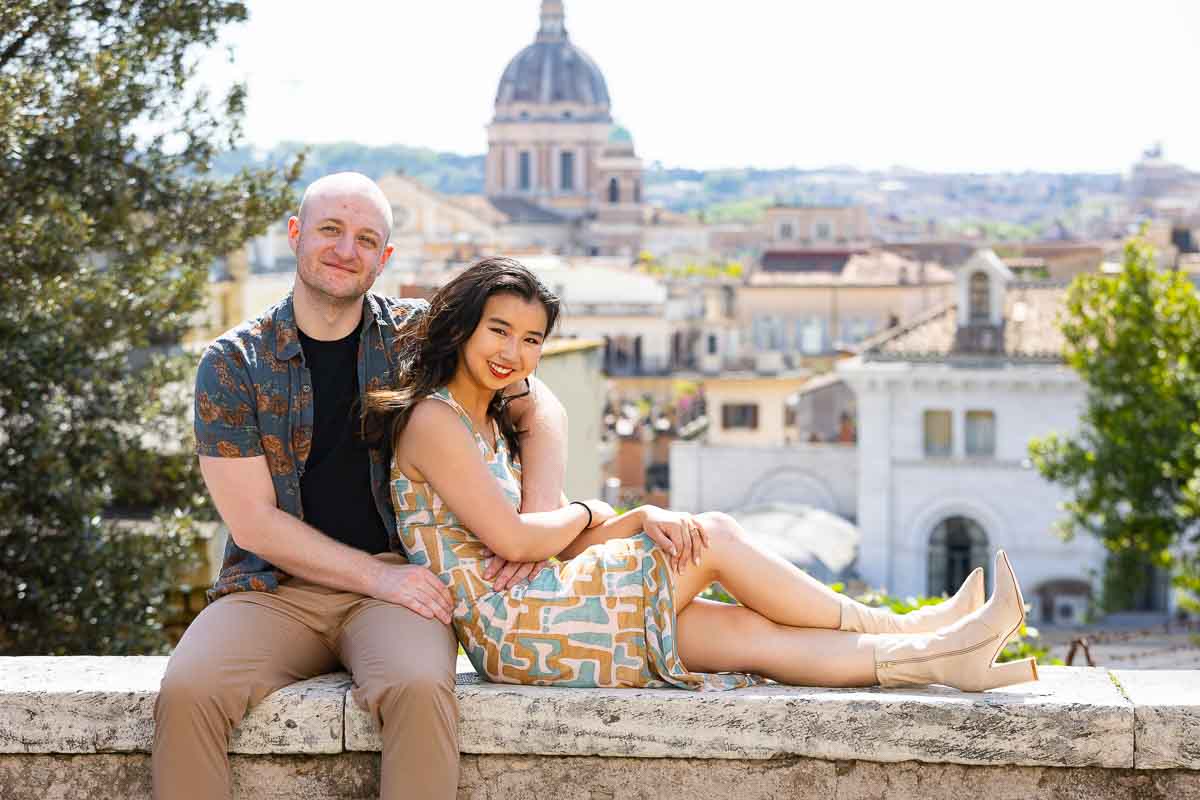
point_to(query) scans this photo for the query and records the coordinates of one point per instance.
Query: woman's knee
(720, 527)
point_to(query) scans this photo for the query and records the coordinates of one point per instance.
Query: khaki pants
(248, 644)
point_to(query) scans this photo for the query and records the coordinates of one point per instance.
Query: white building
(946, 408)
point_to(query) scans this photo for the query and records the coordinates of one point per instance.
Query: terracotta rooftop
(1031, 332)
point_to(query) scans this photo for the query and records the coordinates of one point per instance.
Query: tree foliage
(109, 222)
(1133, 467)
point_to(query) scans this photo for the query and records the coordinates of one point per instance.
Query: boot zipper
(949, 654)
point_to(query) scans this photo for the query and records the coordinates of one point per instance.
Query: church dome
(553, 71)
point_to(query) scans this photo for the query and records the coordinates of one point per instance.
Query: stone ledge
(355, 776)
(93, 704)
(1074, 717)
(1166, 708)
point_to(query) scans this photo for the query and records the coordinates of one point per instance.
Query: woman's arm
(438, 448)
(542, 421)
(619, 527)
(678, 533)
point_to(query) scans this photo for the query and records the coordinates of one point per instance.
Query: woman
(620, 606)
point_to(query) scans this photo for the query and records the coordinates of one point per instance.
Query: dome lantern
(552, 29)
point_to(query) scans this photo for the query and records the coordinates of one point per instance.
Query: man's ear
(294, 234)
(384, 258)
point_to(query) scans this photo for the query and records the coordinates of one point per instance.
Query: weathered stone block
(306, 717)
(89, 704)
(1167, 710)
(355, 776)
(1073, 717)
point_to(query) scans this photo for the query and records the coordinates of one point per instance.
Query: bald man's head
(349, 184)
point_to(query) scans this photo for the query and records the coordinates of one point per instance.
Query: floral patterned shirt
(254, 397)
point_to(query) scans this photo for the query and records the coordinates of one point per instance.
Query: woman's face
(507, 343)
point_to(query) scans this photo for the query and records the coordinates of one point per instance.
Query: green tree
(109, 223)
(1133, 467)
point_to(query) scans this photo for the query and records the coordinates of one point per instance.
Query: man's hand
(506, 574)
(416, 588)
(675, 532)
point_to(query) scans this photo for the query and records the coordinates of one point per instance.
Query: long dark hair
(429, 349)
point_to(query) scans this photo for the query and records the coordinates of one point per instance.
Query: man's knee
(420, 683)
(190, 689)
(412, 688)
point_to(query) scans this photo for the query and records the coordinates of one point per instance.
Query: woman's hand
(677, 533)
(602, 512)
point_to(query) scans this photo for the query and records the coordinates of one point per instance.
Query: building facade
(946, 408)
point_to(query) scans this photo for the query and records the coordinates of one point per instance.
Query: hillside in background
(448, 173)
(1010, 206)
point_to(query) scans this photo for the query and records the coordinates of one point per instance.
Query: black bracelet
(585, 508)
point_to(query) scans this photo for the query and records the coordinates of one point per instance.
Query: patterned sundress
(605, 618)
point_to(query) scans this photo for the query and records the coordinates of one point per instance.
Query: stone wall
(707, 477)
(82, 727)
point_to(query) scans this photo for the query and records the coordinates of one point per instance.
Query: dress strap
(444, 395)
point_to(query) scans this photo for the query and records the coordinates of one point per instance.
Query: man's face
(340, 244)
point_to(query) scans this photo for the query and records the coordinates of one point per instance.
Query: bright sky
(939, 85)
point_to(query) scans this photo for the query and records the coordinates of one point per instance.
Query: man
(313, 577)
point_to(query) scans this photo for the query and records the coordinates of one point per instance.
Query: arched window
(956, 546)
(979, 299)
(614, 191)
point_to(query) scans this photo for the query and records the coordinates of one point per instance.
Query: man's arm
(234, 466)
(242, 491)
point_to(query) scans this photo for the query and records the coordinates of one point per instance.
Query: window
(614, 191)
(939, 437)
(768, 333)
(823, 231)
(979, 300)
(810, 335)
(712, 344)
(525, 172)
(637, 191)
(786, 231)
(981, 433)
(956, 546)
(739, 415)
(855, 329)
(566, 169)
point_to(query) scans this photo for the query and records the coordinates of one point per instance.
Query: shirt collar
(287, 334)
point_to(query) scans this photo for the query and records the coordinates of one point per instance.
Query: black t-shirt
(335, 488)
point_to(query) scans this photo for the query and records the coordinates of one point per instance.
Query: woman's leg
(763, 581)
(719, 637)
(785, 594)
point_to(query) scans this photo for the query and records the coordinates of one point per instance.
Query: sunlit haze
(938, 86)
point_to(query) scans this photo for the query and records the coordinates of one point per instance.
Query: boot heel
(1012, 672)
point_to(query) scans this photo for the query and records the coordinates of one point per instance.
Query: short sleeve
(408, 310)
(226, 424)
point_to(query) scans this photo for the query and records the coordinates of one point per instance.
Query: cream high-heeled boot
(865, 619)
(962, 654)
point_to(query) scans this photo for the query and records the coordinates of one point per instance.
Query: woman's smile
(499, 371)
